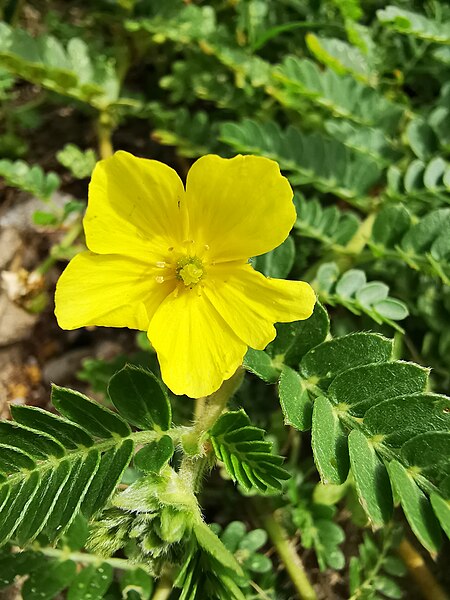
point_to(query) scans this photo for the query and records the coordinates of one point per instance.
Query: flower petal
(251, 303)
(136, 208)
(108, 290)
(196, 349)
(238, 207)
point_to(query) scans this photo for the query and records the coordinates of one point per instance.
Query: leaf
(362, 387)
(328, 359)
(260, 363)
(294, 399)
(339, 56)
(371, 478)
(329, 443)
(31, 179)
(136, 585)
(47, 583)
(153, 456)
(441, 509)
(328, 225)
(390, 224)
(412, 23)
(422, 139)
(417, 508)
(97, 420)
(342, 95)
(312, 159)
(277, 263)
(211, 544)
(245, 454)
(92, 582)
(141, 398)
(350, 282)
(401, 418)
(295, 339)
(80, 163)
(429, 452)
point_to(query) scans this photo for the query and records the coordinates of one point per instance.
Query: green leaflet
(355, 293)
(342, 95)
(416, 506)
(245, 454)
(277, 263)
(295, 339)
(329, 225)
(140, 398)
(328, 359)
(399, 419)
(69, 71)
(371, 478)
(412, 23)
(329, 443)
(312, 159)
(294, 399)
(362, 387)
(31, 179)
(55, 467)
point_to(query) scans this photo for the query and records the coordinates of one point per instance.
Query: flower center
(190, 270)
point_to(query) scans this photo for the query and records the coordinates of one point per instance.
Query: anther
(159, 279)
(160, 264)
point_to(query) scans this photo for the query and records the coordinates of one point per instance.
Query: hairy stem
(163, 589)
(288, 554)
(430, 588)
(207, 411)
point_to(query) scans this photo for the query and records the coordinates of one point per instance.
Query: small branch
(288, 555)
(430, 588)
(88, 559)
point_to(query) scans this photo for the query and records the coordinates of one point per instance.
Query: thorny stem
(288, 554)
(430, 588)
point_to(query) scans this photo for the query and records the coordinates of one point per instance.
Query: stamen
(161, 264)
(159, 279)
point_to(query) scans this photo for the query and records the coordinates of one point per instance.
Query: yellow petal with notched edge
(108, 290)
(251, 303)
(135, 208)
(238, 207)
(196, 349)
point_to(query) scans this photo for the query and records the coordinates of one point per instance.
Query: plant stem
(89, 559)
(288, 554)
(163, 589)
(207, 411)
(430, 588)
(104, 132)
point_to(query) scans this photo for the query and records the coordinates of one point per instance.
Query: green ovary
(190, 270)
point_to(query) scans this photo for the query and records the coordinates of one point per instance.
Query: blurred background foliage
(351, 97)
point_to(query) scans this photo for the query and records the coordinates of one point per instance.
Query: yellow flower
(174, 262)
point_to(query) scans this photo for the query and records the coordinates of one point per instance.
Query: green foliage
(311, 159)
(31, 179)
(343, 96)
(412, 23)
(375, 571)
(69, 71)
(55, 466)
(246, 456)
(354, 292)
(80, 163)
